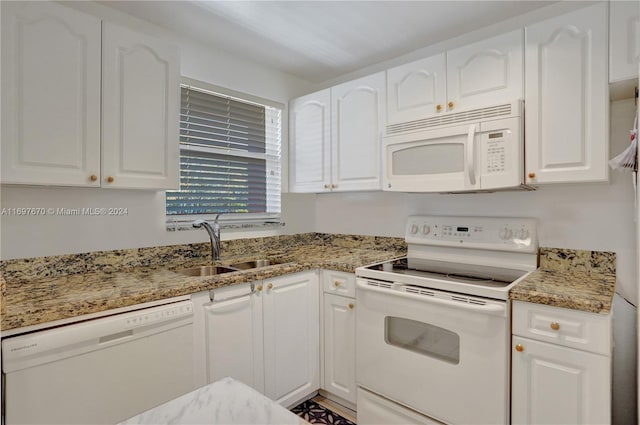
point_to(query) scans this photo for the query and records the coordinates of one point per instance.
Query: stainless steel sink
(203, 271)
(254, 264)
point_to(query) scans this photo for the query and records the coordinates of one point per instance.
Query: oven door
(442, 354)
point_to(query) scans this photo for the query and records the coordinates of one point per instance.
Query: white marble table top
(226, 401)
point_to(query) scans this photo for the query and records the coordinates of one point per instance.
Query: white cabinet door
(339, 346)
(416, 90)
(309, 149)
(624, 40)
(234, 337)
(140, 116)
(357, 120)
(291, 337)
(50, 95)
(485, 73)
(558, 385)
(567, 98)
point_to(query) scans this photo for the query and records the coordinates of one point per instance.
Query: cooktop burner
(495, 277)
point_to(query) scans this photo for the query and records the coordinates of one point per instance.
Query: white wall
(144, 224)
(592, 217)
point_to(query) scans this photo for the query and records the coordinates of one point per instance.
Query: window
(229, 158)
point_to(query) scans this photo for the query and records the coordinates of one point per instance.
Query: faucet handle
(198, 223)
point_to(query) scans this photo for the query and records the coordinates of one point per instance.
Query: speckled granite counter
(36, 291)
(579, 280)
(41, 290)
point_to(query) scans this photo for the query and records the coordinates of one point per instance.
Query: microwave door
(432, 161)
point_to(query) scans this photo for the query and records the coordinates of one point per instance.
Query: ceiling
(321, 40)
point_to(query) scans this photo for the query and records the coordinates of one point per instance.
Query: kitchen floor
(320, 410)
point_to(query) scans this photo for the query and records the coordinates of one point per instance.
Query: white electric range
(433, 329)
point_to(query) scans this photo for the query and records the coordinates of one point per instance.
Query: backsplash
(572, 260)
(184, 255)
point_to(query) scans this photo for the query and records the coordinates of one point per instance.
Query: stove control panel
(500, 234)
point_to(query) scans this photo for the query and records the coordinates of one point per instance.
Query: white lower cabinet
(339, 346)
(264, 334)
(558, 385)
(234, 336)
(338, 335)
(552, 382)
(291, 337)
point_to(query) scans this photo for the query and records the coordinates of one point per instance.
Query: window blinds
(230, 156)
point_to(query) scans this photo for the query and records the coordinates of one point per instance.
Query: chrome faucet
(214, 236)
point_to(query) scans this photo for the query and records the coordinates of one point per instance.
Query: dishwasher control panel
(162, 314)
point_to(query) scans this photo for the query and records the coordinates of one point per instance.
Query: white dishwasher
(99, 371)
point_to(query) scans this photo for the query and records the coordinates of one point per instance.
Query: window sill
(175, 224)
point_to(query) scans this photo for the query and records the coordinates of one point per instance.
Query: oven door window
(422, 338)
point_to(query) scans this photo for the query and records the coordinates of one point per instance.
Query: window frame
(234, 220)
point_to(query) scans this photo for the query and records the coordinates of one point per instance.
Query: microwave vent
(449, 119)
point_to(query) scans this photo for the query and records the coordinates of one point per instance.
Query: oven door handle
(491, 308)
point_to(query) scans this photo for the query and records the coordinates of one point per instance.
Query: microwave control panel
(504, 234)
(496, 152)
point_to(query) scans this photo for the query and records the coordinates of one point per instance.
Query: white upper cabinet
(567, 98)
(50, 95)
(416, 90)
(335, 137)
(85, 106)
(485, 73)
(310, 150)
(140, 101)
(624, 40)
(357, 120)
(477, 75)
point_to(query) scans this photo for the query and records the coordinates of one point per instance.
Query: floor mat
(312, 412)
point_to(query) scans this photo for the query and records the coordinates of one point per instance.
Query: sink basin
(245, 265)
(204, 271)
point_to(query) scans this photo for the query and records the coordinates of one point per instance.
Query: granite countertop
(579, 280)
(30, 300)
(226, 401)
(42, 290)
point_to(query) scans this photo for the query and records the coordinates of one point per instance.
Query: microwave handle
(471, 162)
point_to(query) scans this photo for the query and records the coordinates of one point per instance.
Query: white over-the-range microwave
(469, 151)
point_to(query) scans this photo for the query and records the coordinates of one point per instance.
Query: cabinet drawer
(339, 283)
(570, 328)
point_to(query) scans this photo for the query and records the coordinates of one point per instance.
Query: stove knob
(505, 233)
(413, 229)
(426, 229)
